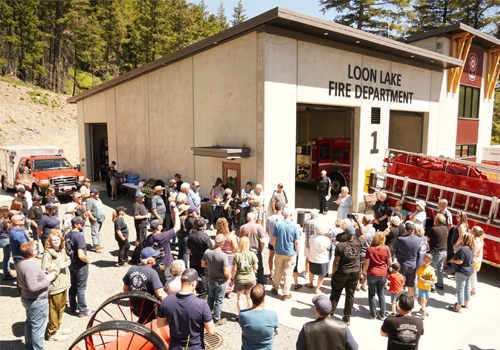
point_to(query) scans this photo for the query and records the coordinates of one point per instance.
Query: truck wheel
(4, 185)
(338, 181)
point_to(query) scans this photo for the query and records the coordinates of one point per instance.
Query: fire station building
(268, 100)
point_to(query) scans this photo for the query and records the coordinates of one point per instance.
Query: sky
(256, 7)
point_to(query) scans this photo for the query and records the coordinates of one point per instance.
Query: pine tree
(221, 17)
(495, 132)
(374, 16)
(478, 13)
(430, 14)
(239, 15)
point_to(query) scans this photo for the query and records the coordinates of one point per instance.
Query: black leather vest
(325, 334)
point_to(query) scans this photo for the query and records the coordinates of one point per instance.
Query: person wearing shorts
(245, 263)
(426, 277)
(397, 282)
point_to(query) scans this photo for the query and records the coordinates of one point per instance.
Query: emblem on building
(472, 66)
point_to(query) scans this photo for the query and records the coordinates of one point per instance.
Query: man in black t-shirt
(198, 242)
(345, 269)
(141, 219)
(35, 213)
(438, 239)
(79, 268)
(403, 330)
(381, 212)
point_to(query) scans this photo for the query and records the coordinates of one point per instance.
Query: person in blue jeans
(4, 236)
(95, 209)
(218, 273)
(464, 269)
(35, 285)
(79, 268)
(438, 240)
(377, 259)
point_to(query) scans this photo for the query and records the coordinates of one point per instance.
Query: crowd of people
(405, 253)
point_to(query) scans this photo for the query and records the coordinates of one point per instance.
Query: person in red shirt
(397, 282)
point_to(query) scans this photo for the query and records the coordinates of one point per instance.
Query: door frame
(232, 166)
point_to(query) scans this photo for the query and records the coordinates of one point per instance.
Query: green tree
(239, 15)
(375, 16)
(430, 14)
(221, 17)
(478, 14)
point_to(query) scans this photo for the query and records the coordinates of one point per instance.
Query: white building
(249, 92)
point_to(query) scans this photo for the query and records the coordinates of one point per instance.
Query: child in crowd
(426, 276)
(400, 210)
(397, 282)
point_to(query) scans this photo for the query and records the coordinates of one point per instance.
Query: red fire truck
(470, 187)
(330, 154)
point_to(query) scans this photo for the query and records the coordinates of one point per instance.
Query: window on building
(468, 102)
(463, 151)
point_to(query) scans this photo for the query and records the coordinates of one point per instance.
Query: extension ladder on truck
(430, 186)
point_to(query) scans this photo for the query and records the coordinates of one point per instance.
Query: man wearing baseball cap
(80, 210)
(178, 182)
(144, 278)
(79, 268)
(325, 333)
(34, 216)
(187, 316)
(159, 241)
(95, 210)
(141, 218)
(194, 194)
(85, 190)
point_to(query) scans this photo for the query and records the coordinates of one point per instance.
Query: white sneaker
(63, 331)
(305, 275)
(58, 337)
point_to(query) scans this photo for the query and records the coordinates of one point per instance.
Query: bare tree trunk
(361, 14)
(57, 43)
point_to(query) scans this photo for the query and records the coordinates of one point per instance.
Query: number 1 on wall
(374, 150)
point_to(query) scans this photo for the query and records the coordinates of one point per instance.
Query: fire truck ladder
(390, 154)
(406, 197)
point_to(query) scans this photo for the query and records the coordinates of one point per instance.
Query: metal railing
(489, 168)
(404, 195)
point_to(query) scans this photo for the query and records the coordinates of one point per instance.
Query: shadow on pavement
(104, 263)
(18, 330)
(12, 344)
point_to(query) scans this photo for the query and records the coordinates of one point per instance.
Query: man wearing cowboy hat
(157, 204)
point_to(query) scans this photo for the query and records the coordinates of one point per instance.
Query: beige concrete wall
(95, 108)
(132, 126)
(111, 127)
(171, 121)
(405, 133)
(225, 107)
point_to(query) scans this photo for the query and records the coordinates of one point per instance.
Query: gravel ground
(105, 280)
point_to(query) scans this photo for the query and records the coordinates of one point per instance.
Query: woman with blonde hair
(345, 203)
(459, 230)
(464, 269)
(230, 246)
(54, 259)
(4, 235)
(377, 258)
(245, 263)
(478, 234)
(50, 197)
